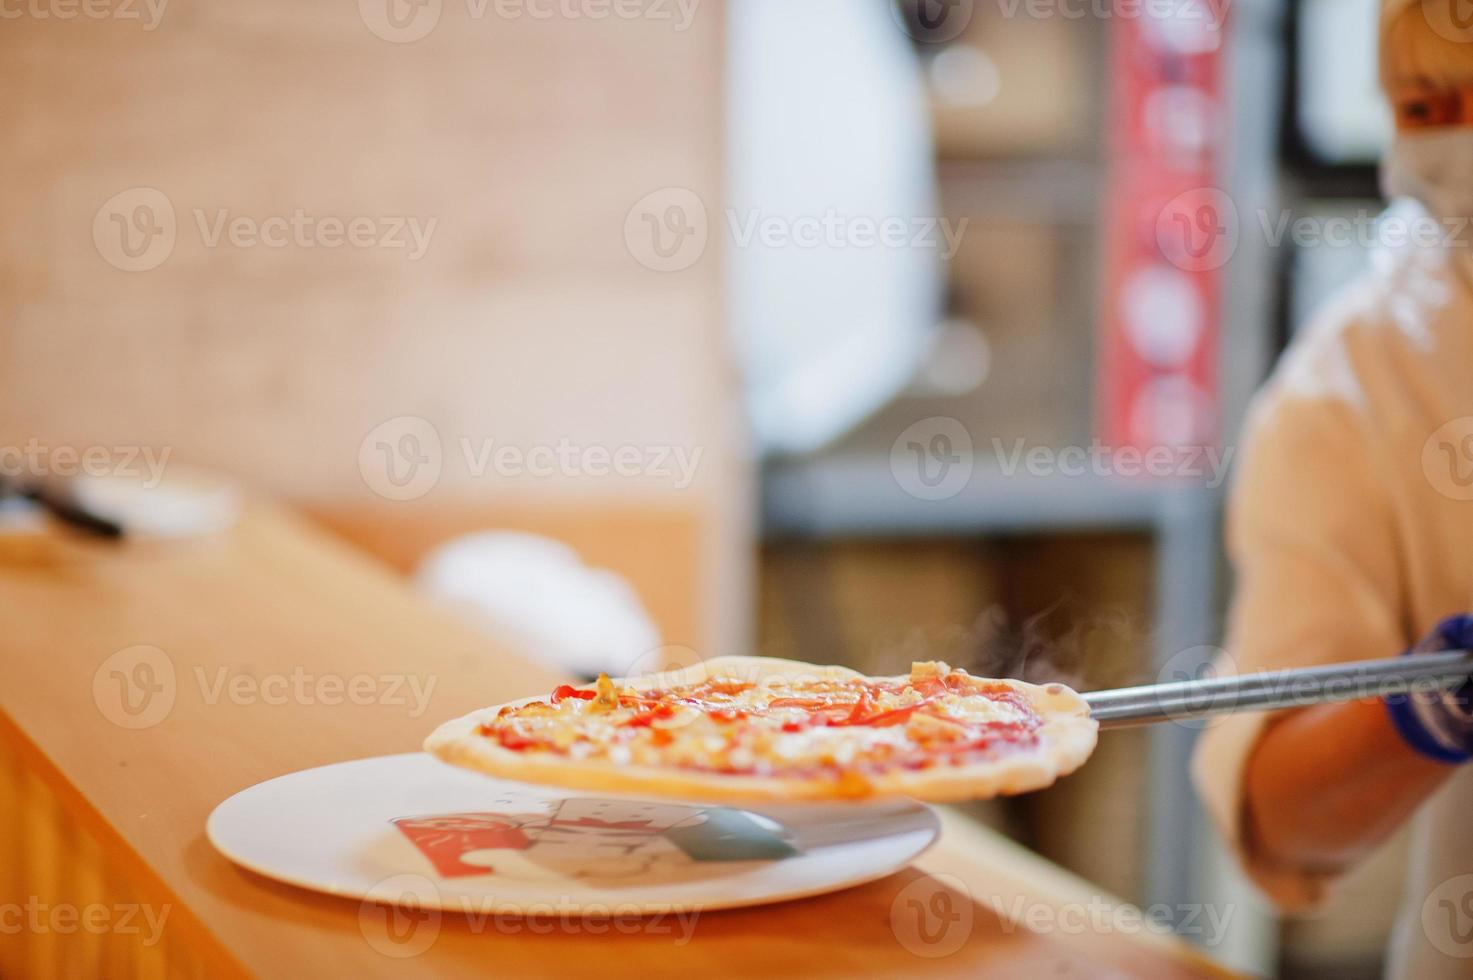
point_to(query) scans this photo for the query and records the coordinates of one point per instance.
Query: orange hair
(1417, 53)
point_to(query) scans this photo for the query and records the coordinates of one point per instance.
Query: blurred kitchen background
(840, 330)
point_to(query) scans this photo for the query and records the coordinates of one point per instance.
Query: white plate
(411, 830)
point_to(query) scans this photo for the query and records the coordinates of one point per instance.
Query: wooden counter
(103, 811)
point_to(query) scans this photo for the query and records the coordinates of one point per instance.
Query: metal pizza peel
(1271, 690)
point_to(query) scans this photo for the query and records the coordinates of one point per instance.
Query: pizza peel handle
(1269, 690)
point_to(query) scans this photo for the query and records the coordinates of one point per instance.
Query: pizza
(756, 728)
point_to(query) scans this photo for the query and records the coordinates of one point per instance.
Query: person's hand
(1439, 724)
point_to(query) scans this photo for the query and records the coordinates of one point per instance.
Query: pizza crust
(1066, 738)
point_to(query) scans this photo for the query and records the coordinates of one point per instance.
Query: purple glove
(1439, 724)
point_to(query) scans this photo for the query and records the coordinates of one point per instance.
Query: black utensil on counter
(59, 505)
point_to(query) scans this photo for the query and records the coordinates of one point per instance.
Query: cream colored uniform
(1351, 529)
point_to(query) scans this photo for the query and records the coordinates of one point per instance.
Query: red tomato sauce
(843, 704)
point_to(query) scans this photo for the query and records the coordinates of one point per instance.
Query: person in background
(1351, 530)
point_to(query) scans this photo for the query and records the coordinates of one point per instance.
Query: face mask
(1435, 167)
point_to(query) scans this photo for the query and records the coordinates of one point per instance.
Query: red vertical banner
(1169, 230)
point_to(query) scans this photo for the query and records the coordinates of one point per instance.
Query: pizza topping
(607, 698)
(933, 728)
(647, 718)
(930, 670)
(781, 726)
(568, 691)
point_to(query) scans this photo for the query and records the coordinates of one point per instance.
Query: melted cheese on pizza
(778, 726)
